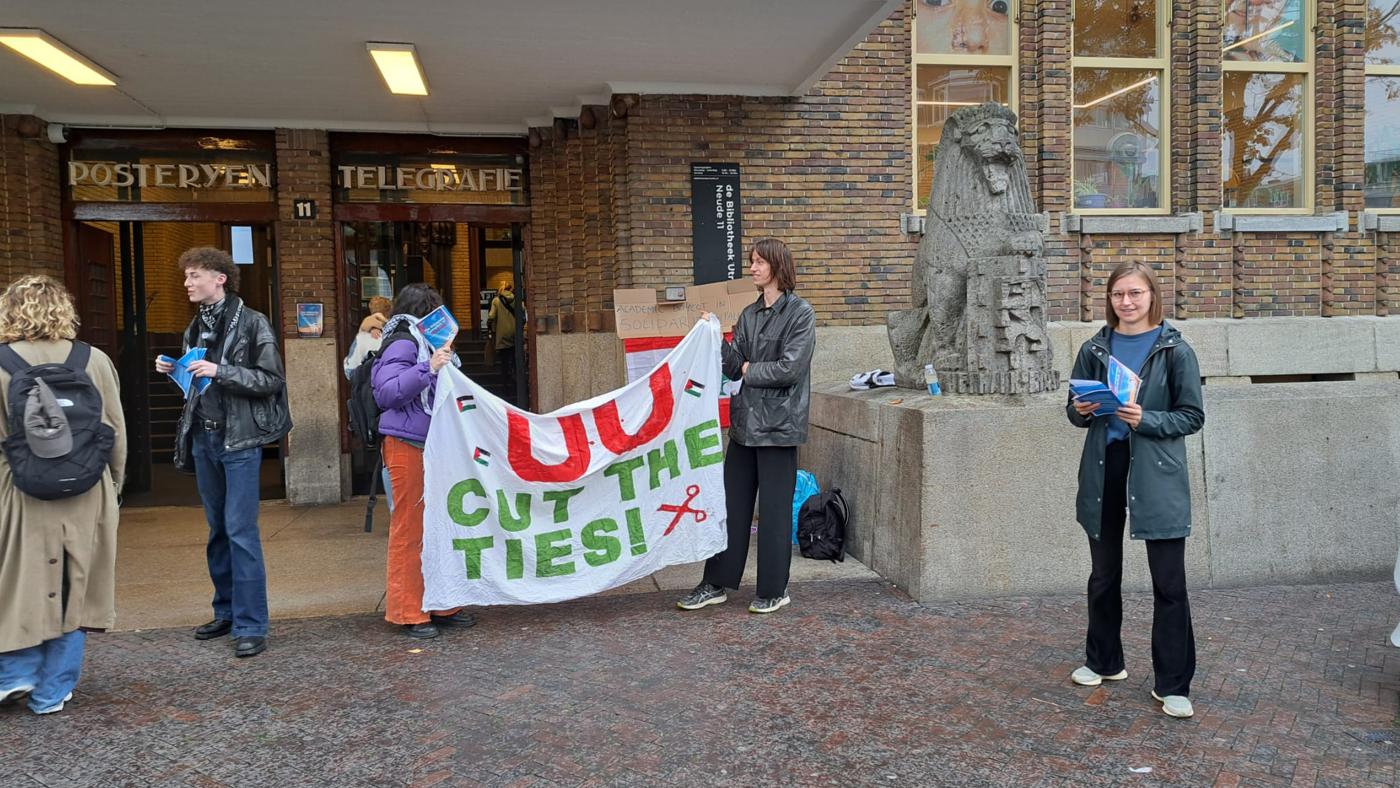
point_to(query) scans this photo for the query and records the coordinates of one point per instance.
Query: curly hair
(211, 259)
(379, 305)
(37, 308)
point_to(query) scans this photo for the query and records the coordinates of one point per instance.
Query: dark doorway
(133, 305)
(468, 263)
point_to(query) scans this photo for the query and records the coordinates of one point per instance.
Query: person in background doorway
(405, 379)
(221, 435)
(370, 335)
(501, 322)
(771, 354)
(1133, 468)
(57, 557)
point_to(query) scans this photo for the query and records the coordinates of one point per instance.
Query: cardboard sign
(639, 314)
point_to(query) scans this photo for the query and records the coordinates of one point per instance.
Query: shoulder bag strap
(11, 361)
(78, 357)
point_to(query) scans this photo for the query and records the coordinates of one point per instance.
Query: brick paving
(853, 685)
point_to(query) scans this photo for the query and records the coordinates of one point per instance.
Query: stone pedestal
(962, 496)
(313, 463)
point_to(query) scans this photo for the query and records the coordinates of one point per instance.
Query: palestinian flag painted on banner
(466, 403)
(694, 387)
(482, 456)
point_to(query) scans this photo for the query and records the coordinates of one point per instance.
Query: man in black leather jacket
(220, 438)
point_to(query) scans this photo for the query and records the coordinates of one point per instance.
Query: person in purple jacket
(404, 379)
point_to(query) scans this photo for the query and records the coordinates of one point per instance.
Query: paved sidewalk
(852, 685)
(320, 562)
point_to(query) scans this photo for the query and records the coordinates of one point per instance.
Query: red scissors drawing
(684, 509)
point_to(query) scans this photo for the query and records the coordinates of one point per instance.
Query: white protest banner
(522, 508)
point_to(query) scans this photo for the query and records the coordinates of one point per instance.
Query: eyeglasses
(1134, 295)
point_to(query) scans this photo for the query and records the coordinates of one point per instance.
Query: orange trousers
(403, 598)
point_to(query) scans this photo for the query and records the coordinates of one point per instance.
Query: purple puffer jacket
(398, 380)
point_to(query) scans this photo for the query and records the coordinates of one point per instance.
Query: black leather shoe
(461, 619)
(250, 646)
(422, 631)
(216, 628)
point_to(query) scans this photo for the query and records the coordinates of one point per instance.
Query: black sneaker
(213, 629)
(459, 619)
(772, 605)
(704, 595)
(425, 631)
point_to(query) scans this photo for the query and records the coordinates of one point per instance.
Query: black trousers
(770, 472)
(1173, 641)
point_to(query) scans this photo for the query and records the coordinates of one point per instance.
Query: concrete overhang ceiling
(492, 66)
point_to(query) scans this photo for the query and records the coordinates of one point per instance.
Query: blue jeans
(388, 488)
(51, 668)
(228, 486)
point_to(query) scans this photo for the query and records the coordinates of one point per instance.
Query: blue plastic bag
(806, 488)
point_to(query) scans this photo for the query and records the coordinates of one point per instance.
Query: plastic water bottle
(931, 378)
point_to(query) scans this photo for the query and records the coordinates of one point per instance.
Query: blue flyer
(181, 373)
(438, 327)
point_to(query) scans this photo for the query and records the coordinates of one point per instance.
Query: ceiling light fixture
(50, 53)
(398, 64)
(1116, 93)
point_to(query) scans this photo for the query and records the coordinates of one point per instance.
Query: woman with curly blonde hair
(57, 557)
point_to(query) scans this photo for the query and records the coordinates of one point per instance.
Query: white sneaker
(772, 605)
(56, 707)
(15, 693)
(1178, 706)
(1088, 678)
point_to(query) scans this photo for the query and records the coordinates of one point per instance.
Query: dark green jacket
(777, 342)
(1159, 490)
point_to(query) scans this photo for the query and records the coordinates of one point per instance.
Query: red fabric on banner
(643, 344)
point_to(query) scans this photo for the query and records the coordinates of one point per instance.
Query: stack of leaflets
(181, 374)
(439, 327)
(1122, 388)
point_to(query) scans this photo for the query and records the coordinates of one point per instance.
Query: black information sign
(717, 227)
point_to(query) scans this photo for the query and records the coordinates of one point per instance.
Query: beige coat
(35, 534)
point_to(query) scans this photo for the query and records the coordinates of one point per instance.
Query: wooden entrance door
(96, 290)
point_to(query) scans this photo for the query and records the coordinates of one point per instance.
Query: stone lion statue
(979, 279)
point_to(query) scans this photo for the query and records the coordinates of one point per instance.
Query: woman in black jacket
(1133, 469)
(771, 355)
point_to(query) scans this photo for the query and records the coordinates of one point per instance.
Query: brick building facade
(831, 172)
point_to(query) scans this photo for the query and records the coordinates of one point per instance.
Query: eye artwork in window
(1117, 131)
(1264, 31)
(964, 27)
(1262, 147)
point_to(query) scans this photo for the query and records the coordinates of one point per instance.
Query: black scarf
(211, 327)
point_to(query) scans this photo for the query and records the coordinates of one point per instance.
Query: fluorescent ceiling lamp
(398, 64)
(1116, 93)
(1258, 36)
(50, 53)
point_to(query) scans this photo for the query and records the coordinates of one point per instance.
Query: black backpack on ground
(61, 449)
(821, 526)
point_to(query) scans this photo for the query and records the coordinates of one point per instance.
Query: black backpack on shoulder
(364, 411)
(821, 526)
(61, 400)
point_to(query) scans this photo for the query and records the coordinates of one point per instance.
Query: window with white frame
(1265, 153)
(1121, 143)
(1382, 144)
(964, 55)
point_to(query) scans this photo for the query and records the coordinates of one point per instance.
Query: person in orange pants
(404, 379)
